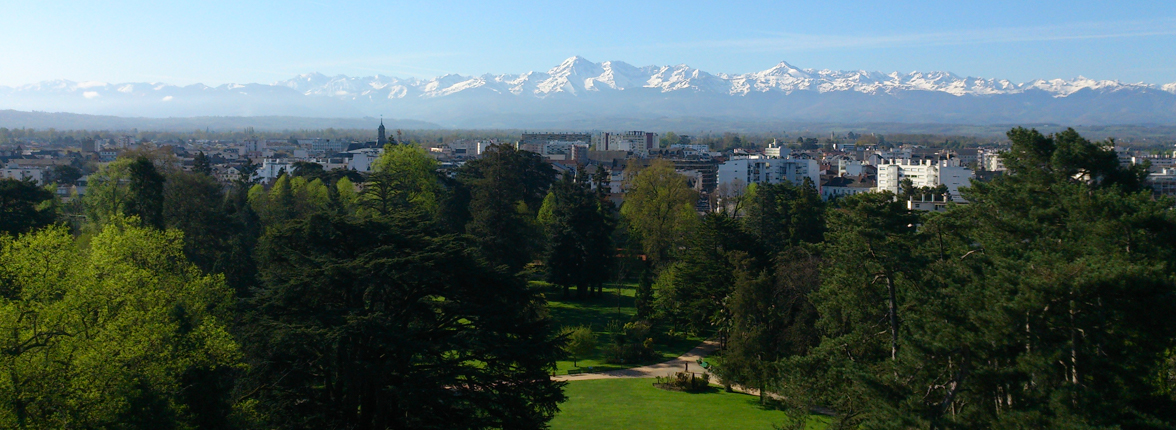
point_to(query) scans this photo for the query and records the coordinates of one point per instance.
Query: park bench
(575, 371)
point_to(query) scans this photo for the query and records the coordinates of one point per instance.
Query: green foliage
(579, 224)
(1041, 304)
(63, 175)
(24, 207)
(659, 208)
(192, 204)
(130, 187)
(581, 342)
(506, 187)
(643, 298)
(771, 318)
(403, 175)
(220, 230)
(290, 197)
(684, 381)
(781, 216)
(111, 337)
(691, 295)
(201, 164)
(348, 196)
(382, 322)
(633, 344)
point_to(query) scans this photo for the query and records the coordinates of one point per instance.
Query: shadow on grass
(593, 312)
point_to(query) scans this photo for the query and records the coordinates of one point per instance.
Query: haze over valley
(579, 93)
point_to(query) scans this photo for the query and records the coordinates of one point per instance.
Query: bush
(633, 344)
(684, 381)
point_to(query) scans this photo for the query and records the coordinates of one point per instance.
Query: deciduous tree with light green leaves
(121, 334)
(659, 208)
(581, 342)
(403, 175)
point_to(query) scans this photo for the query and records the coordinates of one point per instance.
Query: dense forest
(402, 298)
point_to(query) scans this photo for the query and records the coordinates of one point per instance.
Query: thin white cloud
(1075, 31)
(167, 98)
(380, 64)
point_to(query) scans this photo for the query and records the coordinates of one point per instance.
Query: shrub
(632, 344)
(684, 381)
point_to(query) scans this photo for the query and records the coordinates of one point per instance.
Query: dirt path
(689, 359)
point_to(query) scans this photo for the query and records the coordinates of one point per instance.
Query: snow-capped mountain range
(577, 75)
(582, 90)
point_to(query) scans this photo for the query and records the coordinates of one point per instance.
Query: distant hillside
(72, 121)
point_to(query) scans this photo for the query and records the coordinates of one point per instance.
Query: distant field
(634, 404)
(616, 305)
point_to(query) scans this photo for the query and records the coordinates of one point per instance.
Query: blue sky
(215, 42)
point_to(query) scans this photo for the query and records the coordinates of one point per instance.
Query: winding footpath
(689, 360)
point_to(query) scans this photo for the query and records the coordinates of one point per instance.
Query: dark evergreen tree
(386, 323)
(145, 192)
(579, 231)
(63, 175)
(1043, 303)
(507, 186)
(192, 203)
(310, 171)
(781, 216)
(22, 207)
(691, 295)
(771, 318)
(201, 164)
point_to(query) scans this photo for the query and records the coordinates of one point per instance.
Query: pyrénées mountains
(581, 93)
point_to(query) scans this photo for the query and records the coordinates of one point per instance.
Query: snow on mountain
(578, 76)
(578, 85)
(683, 77)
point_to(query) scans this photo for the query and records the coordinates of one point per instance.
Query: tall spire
(382, 139)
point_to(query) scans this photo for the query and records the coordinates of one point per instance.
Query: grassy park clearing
(602, 314)
(636, 404)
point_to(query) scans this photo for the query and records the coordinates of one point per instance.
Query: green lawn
(635, 404)
(616, 304)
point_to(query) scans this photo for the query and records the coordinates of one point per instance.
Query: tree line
(164, 299)
(399, 299)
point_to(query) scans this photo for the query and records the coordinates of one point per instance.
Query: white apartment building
(774, 150)
(990, 160)
(923, 173)
(271, 168)
(362, 159)
(847, 167)
(755, 170)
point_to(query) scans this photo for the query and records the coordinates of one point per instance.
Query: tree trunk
(893, 319)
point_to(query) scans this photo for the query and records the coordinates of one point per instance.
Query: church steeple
(382, 139)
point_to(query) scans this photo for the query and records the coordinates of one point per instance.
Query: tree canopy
(122, 335)
(386, 323)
